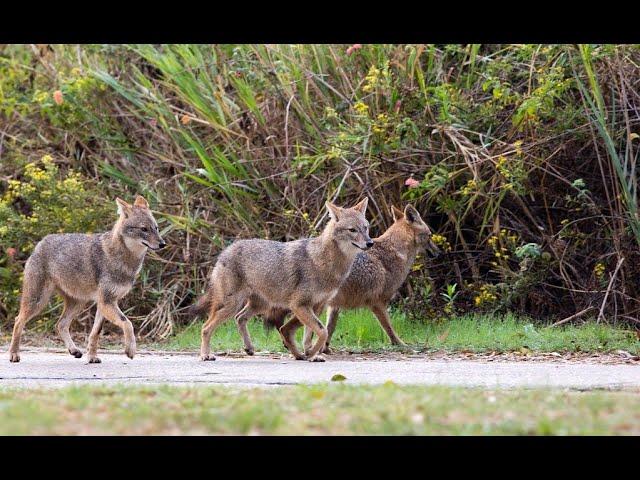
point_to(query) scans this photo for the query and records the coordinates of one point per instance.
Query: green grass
(387, 409)
(359, 330)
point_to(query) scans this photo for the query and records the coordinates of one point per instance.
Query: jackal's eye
(353, 230)
(144, 229)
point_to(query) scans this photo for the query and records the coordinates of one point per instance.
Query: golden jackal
(375, 276)
(252, 275)
(85, 268)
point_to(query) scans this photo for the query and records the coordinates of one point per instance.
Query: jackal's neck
(329, 257)
(398, 247)
(115, 245)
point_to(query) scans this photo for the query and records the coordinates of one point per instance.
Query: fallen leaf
(317, 394)
(338, 377)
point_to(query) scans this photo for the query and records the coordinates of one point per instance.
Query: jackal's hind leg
(36, 293)
(72, 308)
(242, 317)
(217, 316)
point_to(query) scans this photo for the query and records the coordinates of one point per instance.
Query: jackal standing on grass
(376, 275)
(302, 276)
(85, 268)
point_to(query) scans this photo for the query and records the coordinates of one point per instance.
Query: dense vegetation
(325, 409)
(521, 157)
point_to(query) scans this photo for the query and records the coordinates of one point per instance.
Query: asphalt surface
(46, 369)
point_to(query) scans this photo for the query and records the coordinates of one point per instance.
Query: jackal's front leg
(309, 319)
(288, 334)
(308, 335)
(380, 311)
(94, 336)
(307, 341)
(333, 313)
(112, 312)
(242, 317)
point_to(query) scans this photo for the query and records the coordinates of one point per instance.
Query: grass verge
(358, 330)
(311, 410)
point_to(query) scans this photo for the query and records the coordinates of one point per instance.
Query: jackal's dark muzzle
(433, 250)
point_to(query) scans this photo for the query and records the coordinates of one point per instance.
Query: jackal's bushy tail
(201, 306)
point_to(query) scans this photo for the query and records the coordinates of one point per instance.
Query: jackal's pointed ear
(411, 214)
(124, 208)
(334, 211)
(362, 205)
(396, 213)
(140, 202)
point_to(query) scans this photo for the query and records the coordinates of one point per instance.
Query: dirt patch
(609, 358)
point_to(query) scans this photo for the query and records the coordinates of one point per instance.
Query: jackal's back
(276, 270)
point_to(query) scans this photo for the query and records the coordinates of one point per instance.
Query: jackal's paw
(299, 356)
(95, 360)
(130, 351)
(327, 350)
(317, 358)
(75, 352)
(207, 358)
(250, 351)
(14, 358)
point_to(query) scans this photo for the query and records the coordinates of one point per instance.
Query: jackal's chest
(119, 281)
(118, 291)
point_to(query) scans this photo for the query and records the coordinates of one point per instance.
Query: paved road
(47, 369)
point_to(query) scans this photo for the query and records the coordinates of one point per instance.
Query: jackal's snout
(363, 240)
(432, 249)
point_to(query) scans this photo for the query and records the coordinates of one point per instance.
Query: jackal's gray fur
(255, 275)
(376, 275)
(85, 268)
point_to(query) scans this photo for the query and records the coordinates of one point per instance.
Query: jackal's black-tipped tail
(201, 307)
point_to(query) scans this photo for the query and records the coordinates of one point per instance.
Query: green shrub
(44, 201)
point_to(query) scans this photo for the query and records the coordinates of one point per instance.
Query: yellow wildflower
(469, 188)
(599, 270)
(361, 108)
